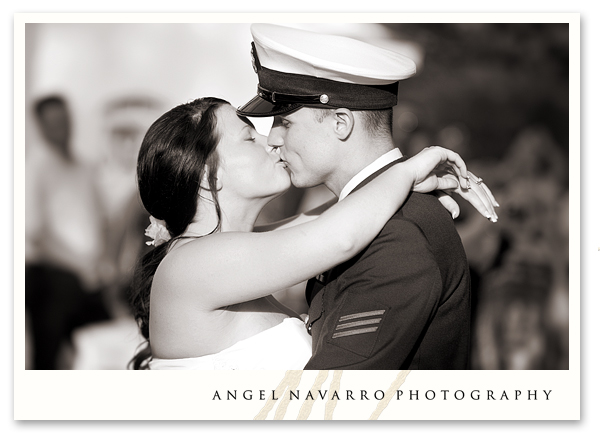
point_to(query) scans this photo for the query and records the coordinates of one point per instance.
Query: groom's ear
(344, 123)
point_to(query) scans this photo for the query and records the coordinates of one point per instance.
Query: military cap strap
(283, 98)
(299, 89)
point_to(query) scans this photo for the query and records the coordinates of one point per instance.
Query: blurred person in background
(202, 296)
(109, 345)
(126, 120)
(64, 241)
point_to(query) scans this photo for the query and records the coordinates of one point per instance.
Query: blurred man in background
(64, 240)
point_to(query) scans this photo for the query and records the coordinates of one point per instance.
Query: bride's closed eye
(251, 134)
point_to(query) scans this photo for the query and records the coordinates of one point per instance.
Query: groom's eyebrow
(278, 120)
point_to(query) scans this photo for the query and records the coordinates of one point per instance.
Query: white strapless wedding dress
(286, 346)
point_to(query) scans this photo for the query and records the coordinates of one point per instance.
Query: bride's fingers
(446, 182)
(481, 185)
(477, 202)
(479, 198)
(455, 160)
(446, 158)
(449, 203)
(456, 163)
(489, 192)
(450, 159)
(477, 191)
(451, 173)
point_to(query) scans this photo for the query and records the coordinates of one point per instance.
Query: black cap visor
(259, 107)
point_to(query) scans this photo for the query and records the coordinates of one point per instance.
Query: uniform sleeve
(384, 304)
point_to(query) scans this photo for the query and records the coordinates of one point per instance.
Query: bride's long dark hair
(176, 151)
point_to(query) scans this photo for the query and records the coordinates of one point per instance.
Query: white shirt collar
(369, 170)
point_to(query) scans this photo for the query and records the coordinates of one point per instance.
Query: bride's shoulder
(201, 270)
(198, 255)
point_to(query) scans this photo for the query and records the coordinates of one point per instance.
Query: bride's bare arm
(297, 219)
(234, 267)
(476, 198)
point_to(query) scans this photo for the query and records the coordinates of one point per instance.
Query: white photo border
(191, 395)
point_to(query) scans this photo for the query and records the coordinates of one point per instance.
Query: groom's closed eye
(279, 121)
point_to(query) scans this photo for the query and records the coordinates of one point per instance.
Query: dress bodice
(286, 346)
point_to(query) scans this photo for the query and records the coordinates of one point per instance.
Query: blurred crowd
(520, 266)
(84, 232)
(85, 224)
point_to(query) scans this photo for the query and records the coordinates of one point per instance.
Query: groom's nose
(275, 138)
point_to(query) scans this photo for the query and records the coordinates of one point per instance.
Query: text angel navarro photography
(378, 395)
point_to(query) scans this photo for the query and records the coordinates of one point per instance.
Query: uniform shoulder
(401, 235)
(423, 203)
(422, 209)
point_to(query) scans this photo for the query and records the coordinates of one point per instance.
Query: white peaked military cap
(298, 68)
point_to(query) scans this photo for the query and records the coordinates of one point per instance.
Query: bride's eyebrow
(246, 121)
(245, 128)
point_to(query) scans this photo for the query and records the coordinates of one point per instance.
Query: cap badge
(324, 99)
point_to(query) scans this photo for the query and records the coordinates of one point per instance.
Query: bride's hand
(479, 195)
(436, 168)
(430, 170)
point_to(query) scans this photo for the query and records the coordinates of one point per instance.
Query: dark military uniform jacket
(402, 303)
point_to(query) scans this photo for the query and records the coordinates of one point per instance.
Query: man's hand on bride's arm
(450, 174)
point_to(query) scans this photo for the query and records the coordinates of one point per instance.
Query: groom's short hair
(376, 122)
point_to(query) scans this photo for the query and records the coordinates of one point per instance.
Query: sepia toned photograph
(303, 198)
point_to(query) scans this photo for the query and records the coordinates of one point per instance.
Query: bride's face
(249, 168)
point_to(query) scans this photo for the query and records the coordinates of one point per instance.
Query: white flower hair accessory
(157, 230)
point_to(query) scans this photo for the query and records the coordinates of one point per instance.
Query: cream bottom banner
(297, 395)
